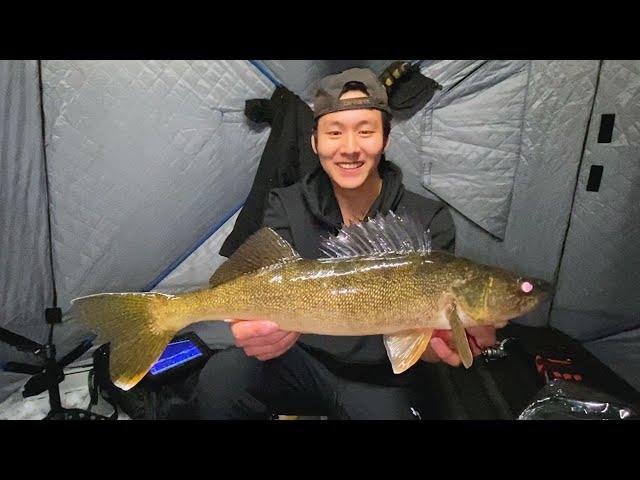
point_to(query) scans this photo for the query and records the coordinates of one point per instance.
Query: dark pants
(235, 386)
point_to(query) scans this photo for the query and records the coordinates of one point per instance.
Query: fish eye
(525, 286)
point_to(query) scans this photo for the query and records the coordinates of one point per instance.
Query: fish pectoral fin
(405, 348)
(460, 337)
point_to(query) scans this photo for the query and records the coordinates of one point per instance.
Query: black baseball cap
(330, 88)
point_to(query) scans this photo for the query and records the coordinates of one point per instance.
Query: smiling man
(276, 371)
(349, 144)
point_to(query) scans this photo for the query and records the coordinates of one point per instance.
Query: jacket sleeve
(443, 230)
(276, 217)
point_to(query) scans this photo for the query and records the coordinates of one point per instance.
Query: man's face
(350, 144)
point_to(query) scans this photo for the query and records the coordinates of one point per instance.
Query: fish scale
(365, 296)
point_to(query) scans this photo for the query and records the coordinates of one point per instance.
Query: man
(277, 371)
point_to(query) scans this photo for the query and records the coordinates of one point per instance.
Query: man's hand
(262, 339)
(442, 346)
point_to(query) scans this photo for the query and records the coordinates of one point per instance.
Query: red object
(557, 368)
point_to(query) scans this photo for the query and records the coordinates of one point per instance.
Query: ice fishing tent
(141, 168)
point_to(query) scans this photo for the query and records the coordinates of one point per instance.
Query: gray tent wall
(598, 299)
(144, 160)
(25, 279)
(141, 156)
(150, 161)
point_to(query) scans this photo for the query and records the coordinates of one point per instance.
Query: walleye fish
(380, 278)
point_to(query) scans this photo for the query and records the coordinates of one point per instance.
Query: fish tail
(138, 327)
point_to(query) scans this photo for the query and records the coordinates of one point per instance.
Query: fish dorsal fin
(390, 233)
(263, 248)
(405, 348)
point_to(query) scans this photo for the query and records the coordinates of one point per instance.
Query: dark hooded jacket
(286, 158)
(305, 211)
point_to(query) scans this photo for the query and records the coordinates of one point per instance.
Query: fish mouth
(541, 294)
(544, 288)
(539, 289)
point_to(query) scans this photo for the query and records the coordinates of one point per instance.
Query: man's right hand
(262, 339)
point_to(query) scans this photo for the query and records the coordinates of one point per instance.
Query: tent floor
(74, 393)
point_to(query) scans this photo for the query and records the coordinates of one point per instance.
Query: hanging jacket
(286, 158)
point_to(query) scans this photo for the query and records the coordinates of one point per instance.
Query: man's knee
(225, 385)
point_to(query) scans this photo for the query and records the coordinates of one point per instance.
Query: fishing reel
(499, 350)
